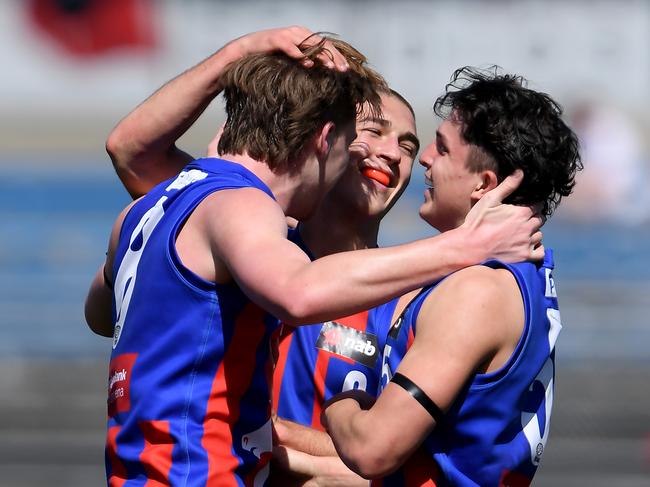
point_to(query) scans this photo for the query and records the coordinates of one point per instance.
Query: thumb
(507, 186)
(359, 150)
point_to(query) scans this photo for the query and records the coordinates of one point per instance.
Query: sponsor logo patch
(348, 342)
(119, 380)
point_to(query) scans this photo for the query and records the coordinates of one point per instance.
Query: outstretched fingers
(291, 41)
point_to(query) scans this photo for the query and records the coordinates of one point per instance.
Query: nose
(426, 157)
(390, 151)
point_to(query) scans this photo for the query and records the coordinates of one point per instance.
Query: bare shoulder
(115, 232)
(234, 219)
(474, 301)
(243, 198)
(479, 284)
(241, 207)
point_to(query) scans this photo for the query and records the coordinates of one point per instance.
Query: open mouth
(376, 175)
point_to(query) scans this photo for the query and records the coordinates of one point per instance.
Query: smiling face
(452, 188)
(373, 182)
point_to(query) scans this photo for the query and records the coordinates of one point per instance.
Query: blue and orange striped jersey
(190, 373)
(318, 361)
(496, 431)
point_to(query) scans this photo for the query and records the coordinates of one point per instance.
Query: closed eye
(408, 149)
(373, 130)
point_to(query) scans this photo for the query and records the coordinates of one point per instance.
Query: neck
(334, 228)
(286, 188)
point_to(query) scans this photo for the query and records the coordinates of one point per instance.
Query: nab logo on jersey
(348, 342)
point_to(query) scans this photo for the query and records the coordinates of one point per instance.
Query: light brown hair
(275, 105)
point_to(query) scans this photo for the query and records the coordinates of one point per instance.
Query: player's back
(189, 392)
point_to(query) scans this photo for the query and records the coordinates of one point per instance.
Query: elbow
(98, 320)
(116, 148)
(124, 150)
(125, 155)
(104, 329)
(368, 461)
(300, 308)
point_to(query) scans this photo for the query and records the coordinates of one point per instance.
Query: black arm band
(107, 281)
(419, 395)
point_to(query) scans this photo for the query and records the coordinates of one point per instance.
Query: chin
(430, 219)
(424, 216)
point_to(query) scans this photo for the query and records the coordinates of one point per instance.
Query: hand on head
(506, 232)
(291, 41)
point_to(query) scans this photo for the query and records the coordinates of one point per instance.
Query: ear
(325, 138)
(486, 181)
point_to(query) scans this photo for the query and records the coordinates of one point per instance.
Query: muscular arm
(249, 235)
(97, 308)
(469, 323)
(143, 145)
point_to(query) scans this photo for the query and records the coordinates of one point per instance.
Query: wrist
(344, 407)
(465, 249)
(215, 65)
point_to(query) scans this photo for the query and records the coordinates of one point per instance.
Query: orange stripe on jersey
(358, 321)
(410, 338)
(118, 472)
(320, 371)
(156, 457)
(231, 381)
(286, 337)
(420, 470)
(513, 479)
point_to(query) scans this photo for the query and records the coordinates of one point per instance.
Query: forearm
(295, 468)
(142, 146)
(304, 456)
(349, 282)
(303, 438)
(354, 437)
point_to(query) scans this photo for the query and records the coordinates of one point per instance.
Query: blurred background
(73, 68)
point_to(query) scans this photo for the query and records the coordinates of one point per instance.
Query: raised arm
(470, 322)
(143, 145)
(249, 235)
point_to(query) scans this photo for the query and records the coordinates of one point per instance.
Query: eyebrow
(441, 136)
(408, 136)
(411, 137)
(377, 120)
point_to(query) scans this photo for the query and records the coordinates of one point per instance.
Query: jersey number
(128, 271)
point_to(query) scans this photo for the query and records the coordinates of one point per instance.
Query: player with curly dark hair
(469, 362)
(513, 127)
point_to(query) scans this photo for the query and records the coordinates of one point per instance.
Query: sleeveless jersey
(318, 361)
(496, 431)
(190, 371)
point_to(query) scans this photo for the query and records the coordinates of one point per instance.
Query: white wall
(571, 49)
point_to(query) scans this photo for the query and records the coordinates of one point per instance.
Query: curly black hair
(513, 127)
